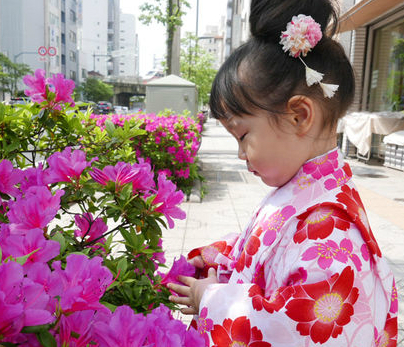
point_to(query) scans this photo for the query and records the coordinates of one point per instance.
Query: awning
(364, 12)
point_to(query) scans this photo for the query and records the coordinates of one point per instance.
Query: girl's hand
(192, 291)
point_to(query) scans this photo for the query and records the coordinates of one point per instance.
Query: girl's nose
(241, 153)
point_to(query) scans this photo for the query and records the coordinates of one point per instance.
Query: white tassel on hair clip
(329, 89)
(301, 35)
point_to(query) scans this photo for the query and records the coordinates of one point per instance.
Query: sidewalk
(233, 193)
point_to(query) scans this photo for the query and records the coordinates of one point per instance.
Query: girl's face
(271, 151)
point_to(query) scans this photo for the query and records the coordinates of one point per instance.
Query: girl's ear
(301, 113)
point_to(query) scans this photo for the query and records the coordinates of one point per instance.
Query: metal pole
(197, 18)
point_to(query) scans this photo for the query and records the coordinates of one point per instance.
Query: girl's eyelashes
(242, 137)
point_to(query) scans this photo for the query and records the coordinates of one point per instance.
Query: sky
(152, 37)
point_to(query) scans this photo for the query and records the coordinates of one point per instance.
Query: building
(69, 56)
(40, 34)
(128, 50)
(237, 24)
(373, 32)
(94, 31)
(212, 42)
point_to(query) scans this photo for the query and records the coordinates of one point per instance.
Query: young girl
(307, 270)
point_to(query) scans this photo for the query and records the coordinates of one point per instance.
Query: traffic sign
(52, 51)
(42, 50)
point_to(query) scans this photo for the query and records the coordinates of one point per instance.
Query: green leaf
(59, 238)
(1, 255)
(122, 265)
(35, 328)
(110, 127)
(46, 339)
(23, 260)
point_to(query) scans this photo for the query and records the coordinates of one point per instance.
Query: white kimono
(306, 271)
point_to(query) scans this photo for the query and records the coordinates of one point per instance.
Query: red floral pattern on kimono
(305, 272)
(319, 221)
(350, 198)
(323, 308)
(237, 333)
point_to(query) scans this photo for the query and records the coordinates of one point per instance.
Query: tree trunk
(170, 37)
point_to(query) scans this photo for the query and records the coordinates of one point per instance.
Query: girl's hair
(260, 75)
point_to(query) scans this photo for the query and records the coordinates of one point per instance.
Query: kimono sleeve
(297, 313)
(215, 254)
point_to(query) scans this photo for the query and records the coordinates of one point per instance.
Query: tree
(197, 66)
(10, 74)
(95, 90)
(168, 13)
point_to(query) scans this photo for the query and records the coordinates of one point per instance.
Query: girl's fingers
(183, 290)
(197, 262)
(186, 280)
(182, 300)
(189, 310)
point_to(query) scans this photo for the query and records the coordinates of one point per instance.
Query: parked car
(120, 109)
(19, 101)
(104, 107)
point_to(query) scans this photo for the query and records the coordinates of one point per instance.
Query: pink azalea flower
(124, 328)
(167, 200)
(89, 228)
(180, 268)
(84, 282)
(9, 177)
(63, 88)
(21, 245)
(35, 210)
(65, 166)
(12, 311)
(76, 329)
(37, 86)
(34, 176)
(22, 301)
(144, 179)
(164, 331)
(121, 174)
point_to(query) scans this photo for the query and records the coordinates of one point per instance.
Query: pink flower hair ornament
(301, 35)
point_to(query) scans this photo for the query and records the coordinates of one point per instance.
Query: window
(72, 56)
(63, 57)
(73, 75)
(63, 38)
(110, 25)
(63, 16)
(72, 36)
(386, 90)
(72, 16)
(83, 73)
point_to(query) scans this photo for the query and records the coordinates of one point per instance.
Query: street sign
(52, 51)
(42, 50)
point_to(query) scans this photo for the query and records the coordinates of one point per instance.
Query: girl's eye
(242, 137)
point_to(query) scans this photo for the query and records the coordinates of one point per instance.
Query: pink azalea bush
(80, 231)
(170, 143)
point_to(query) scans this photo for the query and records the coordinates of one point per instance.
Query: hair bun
(268, 18)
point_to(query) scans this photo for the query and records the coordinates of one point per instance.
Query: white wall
(127, 46)
(94, 36)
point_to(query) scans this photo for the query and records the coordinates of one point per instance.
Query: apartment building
(41, 34)
(212, 41)
(128, 50)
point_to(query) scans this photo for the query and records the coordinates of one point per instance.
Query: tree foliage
(10, 74)
(95, 90)
(168, 13)
(197, 66)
